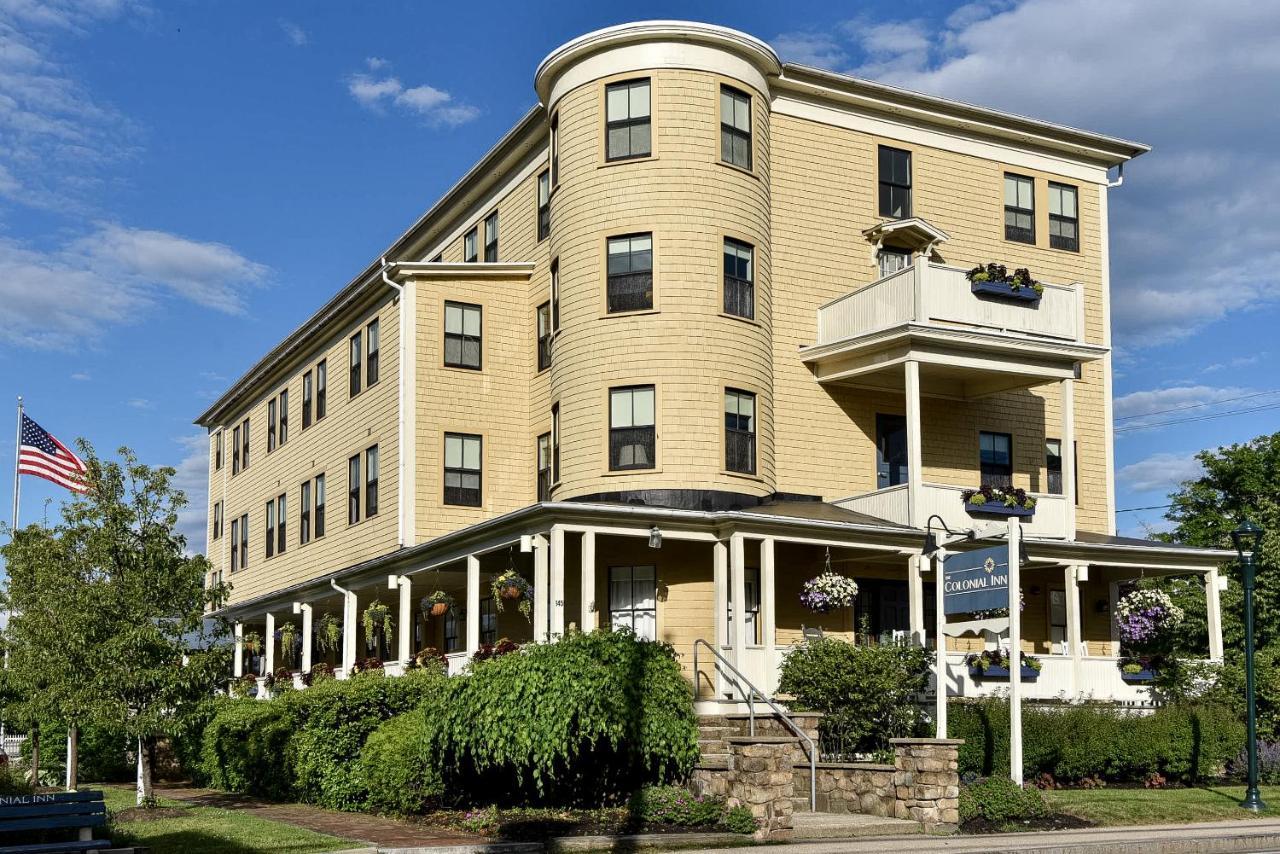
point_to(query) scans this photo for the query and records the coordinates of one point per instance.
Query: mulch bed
(1055, 821)
(539, 826)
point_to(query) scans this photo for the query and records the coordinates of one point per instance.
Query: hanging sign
(976, 581)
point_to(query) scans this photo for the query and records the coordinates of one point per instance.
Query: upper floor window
(555, 443)
(995, 452)
(469, 246)
(371, 482)
(308, 395)
(217, 450)
(281, 516)
(1019, 209)
(319, 518)
(630, 273)
(739, 279)
(462, 335)
(739, 431)
(555, 295)
(271, 528)
(627, 128)
(544, 204)
(462, 469)
(372, 341)
(735, 127)
(631, 428)
(322, 384)
(304, 512)
(235, 450)
(235, 543)
(544, 467)
(544, 336)
(491, 238)
(892, 260)
(1064, 219)
(356, 358)
(555, 150)
(271, 425)
(1053, 465)
(353, 490)
(244, 444)
(244, 540)
(216, 522)
(895, 182)
(284, 416)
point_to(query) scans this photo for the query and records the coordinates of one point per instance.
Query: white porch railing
(942, 296)
(1061, 678)
(890, 503)
(13, 746)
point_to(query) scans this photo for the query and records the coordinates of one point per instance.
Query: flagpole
(17, 479)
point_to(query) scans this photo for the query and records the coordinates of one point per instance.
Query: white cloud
(141, 403)
(1162, 472)
(1136, 405)
(1235, 364)
(1193, 227)
(81, 377)
(294, 33)
(192, 477)
(68, 297)
(376, 92)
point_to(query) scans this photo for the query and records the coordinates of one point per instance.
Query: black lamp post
(1246, 539)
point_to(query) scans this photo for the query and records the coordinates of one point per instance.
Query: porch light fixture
(655, 538)
(1246, 538)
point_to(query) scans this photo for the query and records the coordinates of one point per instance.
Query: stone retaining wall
(927, 781)
(849, 787)
(760, 777)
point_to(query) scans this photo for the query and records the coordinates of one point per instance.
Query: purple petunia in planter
(998, 501)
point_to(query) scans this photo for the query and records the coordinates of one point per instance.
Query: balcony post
(738, 598)
(1069, 454)
(473, 604)
(915, 477)
(270, 666)
(915, 597)
(589, 617)
(237, 667)
(557, 582)
(1072, 576)
(1213, 609)
(540, 597)
(720, 587)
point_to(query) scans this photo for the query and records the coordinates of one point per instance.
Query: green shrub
(1000, 801)
(867, 693)
(12, 781)
(676, 805)
(740, 820)
(400, 777)
(246, 749)
(1184, 743)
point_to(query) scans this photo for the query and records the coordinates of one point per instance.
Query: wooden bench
(23, 817)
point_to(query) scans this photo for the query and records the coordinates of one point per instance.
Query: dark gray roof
(1108, 540)
(820, 511)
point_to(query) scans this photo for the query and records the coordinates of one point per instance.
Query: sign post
(940, 644)
(1015, 651)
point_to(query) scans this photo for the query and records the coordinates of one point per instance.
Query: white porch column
(473, 604)
(915, 464)
(1213, 609)
(1072, 576)
(350, 617)
(557, 582)
(915, 597)
(540, 597)
(271, 644)
(1015, 651)
(589, 613)
(404, 633)
(720, 588)
(304, 608)
(738, 596)
(238, 667)
(1069, 454)
(768, 614)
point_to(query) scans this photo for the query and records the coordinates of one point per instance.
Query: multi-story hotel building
(695, 329)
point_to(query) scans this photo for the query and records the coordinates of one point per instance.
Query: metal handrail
(752, 690)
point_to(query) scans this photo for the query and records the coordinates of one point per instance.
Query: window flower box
(995, 664)
(995, 280)
(996, 672)
(998, 501)
(1138, 677)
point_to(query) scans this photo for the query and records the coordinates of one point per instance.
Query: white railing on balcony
(1097, 678)
(890, 503)
(940, 295)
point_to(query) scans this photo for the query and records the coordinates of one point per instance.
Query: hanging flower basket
(827, 592)
(329, 633)
(377, 616)
(251, 642)
(438, 604)
(512, 587)
(998, 501)
(1146, 616)
(288, 637)
(994, 664)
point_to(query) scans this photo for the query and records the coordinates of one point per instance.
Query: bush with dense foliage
(675, 805)
(245, 748)
(1000, 801)
(399, 777)
(867, 693)
(1184, 743)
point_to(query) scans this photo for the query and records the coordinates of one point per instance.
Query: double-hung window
(631, 428)
(462, 335)
(544, 204)
(630, 273)
(633, 596)
(491, 238)
(1019, 209)
(319, 523)
(372, 362)
(895, 182)
(892, 260)
(217, 450)
(244, 540)
(271, 527)
(735, 127)
(304, 513)
(1053, 464)
(308, 395)
(322, 384)
(462, 469)
(739, 431)
(371, 482)
(355, 371)
(544, 336)
(488, 620)
(281, 516)
(544, 467)
(469, 246)
(235, 450)
(452, 643)
(627, 127)
(217, 520)
(284, 416)
(995, 451)
(555, 295)
(271, 425)
(244, 444)
(555, 150)
(1064, 217)
(235, 543)
(555, 443)
(353, 490)
(739, 279)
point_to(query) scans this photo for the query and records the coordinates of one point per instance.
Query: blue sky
(182, 183)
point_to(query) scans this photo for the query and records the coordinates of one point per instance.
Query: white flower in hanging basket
(828, 592)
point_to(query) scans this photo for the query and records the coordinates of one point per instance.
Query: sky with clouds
(181, 184)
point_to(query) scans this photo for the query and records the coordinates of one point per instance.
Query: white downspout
(401, 371)
(1119, 176)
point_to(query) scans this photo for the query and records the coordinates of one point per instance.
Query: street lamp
(1246, 539)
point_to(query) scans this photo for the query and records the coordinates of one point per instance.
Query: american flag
(40, 454)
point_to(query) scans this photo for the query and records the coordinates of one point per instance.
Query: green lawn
(206, 830)
(1160, 806)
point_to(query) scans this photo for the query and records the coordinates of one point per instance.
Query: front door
(891, 450)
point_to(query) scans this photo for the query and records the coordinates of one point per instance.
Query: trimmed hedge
(245, 748)
(398, 775)
(1183, 743)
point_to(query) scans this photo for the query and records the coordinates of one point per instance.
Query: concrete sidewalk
(1227, 837)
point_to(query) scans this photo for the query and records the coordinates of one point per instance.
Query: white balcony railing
(939, 295)
(890, 503)
(1097, 678)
